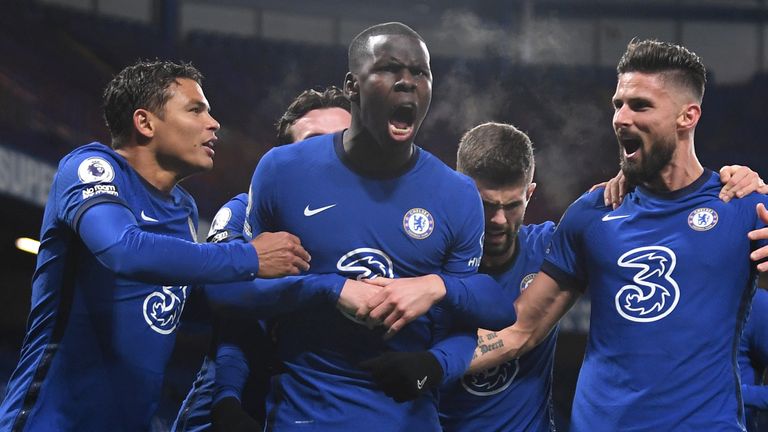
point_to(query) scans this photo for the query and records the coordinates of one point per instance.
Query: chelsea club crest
(702, 219)
(418, 223)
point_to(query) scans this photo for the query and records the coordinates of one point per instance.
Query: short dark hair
(358, 48)
(308, 100)
(142, 85)
(497, 153)
(678, 63)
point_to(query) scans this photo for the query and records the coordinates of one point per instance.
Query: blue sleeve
(88, 176)
(475, 300)
(231, 371)
(755, 396)
(455, 329)
(564, 259)
(467, 249)
(266, 298)
(259, 210)
(455, 353)
(236, 339)
(453, 346)
(109, 230)
(757, 323)
(479, 300)
(755, 336)
(228, 223)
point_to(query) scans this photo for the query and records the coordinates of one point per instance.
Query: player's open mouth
(209, 147)
(401, 122)
(631, 144)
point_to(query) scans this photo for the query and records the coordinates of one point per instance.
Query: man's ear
(529, 192)
(689, 117)
(143, 122)
(351, 87)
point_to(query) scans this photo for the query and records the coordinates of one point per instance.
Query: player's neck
(682, 170)
(147, 166)
(372, 157)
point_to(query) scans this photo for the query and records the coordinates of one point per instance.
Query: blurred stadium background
(546, 66)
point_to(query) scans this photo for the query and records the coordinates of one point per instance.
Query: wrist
(437, 287)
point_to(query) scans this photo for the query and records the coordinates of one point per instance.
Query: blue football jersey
(516, 395)
(195, 412)
(753, 360)
(227, 224)
(97, 343)
(670, 282)
(425, 219)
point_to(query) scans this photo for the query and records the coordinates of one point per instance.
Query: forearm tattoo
(486, 343)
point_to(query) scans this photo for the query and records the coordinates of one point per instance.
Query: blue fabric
(515, 395)
(479, 301)
(753, 359)
(242, 306)
(98, 341)
(195, 412)
(670, 281)
(406, 225)
(111, 233)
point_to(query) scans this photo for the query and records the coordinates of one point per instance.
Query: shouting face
(646, 110)
(393, 87)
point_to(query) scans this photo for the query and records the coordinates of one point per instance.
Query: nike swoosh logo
(420, 383)
(607, 218)
(311, 212)
(147, 218)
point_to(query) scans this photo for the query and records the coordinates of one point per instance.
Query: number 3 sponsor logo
(655, 293)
